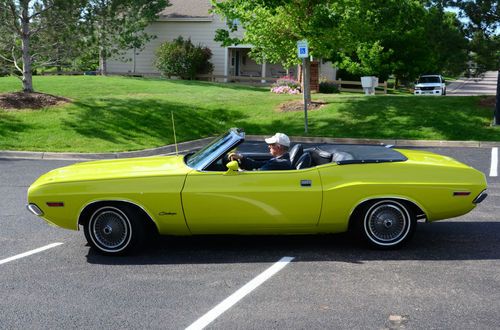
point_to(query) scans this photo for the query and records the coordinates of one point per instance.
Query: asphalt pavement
(448, 277)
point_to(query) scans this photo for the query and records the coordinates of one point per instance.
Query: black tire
(386, 224)
(114, 230)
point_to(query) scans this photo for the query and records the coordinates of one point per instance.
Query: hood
(434, 84)
(117, 168)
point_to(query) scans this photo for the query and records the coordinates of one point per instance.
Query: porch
(239, 66)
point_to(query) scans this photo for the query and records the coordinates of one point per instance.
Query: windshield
(428, 80)
(216, 148)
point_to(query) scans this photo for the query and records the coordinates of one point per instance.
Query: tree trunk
(102, 49)
(25, 46)
(103, 67)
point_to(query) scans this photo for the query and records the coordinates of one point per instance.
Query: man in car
(278, 147)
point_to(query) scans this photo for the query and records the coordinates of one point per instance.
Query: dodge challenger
(377, 192)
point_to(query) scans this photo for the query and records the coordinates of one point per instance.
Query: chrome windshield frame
(215, 149)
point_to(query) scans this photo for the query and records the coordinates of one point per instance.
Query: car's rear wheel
(114, 230)
(387, 224)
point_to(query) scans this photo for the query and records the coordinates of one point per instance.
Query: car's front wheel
(114, 230)
(387, 224)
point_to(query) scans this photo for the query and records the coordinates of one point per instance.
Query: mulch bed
(299, 106)
(21, 100)
(487, 102)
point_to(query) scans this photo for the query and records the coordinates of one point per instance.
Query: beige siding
(327, 71)
(200, 32)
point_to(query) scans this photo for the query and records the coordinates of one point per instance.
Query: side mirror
(232, 167)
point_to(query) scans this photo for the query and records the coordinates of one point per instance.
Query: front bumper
(481, 197)
(34, 209)
(428, 92)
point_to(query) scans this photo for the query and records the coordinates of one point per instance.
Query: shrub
(286, 85)
(183, 59)
(328, 87)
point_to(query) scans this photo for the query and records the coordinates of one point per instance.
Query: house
(193, 19)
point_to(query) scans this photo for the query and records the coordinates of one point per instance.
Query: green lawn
(118, 114)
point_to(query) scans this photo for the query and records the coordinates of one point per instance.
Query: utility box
(369, 83)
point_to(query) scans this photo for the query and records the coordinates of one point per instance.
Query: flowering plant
(286, 85)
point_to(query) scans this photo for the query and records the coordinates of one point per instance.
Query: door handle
(305, 183)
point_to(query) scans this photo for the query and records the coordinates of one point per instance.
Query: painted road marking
(26, 254)
(494, 162)
(240, 294)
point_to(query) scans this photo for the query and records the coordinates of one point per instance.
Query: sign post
(496, 118)
(303, 52)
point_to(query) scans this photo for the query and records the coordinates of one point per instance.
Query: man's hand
(234, 156)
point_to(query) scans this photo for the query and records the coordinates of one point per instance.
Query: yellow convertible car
(377, 192)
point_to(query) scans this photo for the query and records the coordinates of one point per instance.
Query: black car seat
(295, 153)
(304, 161)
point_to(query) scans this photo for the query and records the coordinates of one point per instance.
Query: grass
(118, 114)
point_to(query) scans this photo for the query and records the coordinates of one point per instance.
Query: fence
(244, 79)
(381, 89)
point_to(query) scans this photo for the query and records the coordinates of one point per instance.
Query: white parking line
(240, 294)
(494, 162)
(25, 254)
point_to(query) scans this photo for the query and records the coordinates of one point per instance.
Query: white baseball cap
(279, 138)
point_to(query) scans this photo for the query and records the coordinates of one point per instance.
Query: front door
(252, 201)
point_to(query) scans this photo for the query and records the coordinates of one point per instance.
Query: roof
(187, 9)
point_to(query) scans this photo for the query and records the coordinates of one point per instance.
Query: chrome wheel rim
(387, 223)
(110, 229)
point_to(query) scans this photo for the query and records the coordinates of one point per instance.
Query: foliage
(286, 85)
(404, 38)
(401, 37)
(273, 28)
(113, 26)
(328, 87)
(483, 29)
(181, 58)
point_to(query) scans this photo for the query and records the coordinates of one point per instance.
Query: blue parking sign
(302, 49)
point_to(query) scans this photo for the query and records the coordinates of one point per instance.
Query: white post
(226, 66)
(263, 72)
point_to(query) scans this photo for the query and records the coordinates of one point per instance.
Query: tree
(363, 37)
(483, 29)
(273, 27)
(22, 26)
(114, 26)
(404, 38)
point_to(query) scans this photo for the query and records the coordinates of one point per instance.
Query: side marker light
(55, 204)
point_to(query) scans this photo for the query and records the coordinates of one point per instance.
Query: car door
(252, 201)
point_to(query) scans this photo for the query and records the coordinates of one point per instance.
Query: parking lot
(448, 276)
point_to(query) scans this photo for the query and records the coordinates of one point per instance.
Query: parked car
(377, 192)
(430, 85)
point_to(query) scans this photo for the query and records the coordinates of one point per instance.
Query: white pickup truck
(432, 84)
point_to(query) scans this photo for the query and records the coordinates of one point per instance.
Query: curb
(188, 146)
